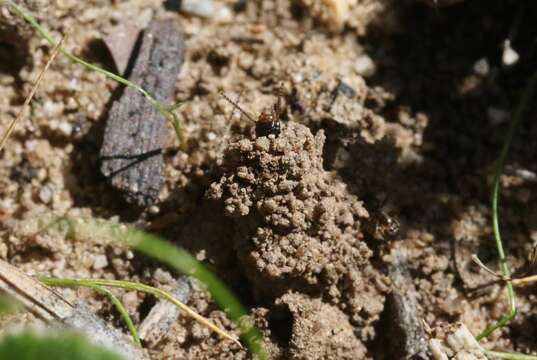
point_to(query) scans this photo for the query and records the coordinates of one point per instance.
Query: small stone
(333, 13)
(224, 14)
(509, 56)
(130, 299)
(203, 8)
(211, 136)
(162, 276)
(365, 66)
(482, 67)
(100, 262)
(45, 194)
(65, 128)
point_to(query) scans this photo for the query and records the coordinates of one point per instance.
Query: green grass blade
(500, 164)
(61, 346)
(181, 261)
(104, 291)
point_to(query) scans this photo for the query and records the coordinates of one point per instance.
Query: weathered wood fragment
(131, 154)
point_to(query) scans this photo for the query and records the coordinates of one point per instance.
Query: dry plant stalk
(11, 126)
(53, 308)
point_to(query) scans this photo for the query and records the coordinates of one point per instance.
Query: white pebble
(100, 262)
(224, 14)
(211, 136)
(45, 194)
(65, 128)
(509, 56)
(204, 8)
(365, 66)
(482, 67)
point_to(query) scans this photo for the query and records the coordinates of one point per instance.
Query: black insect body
(381, 225)
(268, 122)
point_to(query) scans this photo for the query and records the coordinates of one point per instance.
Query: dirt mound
(297, 228)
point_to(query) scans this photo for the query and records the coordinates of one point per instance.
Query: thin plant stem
(122, 312)
(166, 112)
(504, 268)
(143, 288)
(29, 98)
(528, 280)
(119, 307)
(178, 259)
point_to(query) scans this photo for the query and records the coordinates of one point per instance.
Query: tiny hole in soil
(297, 10)
(280, 321)
(217, 61)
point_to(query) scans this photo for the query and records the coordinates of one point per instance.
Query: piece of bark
(51, 307)
(162, 316)
(131, 154)
(406, 339)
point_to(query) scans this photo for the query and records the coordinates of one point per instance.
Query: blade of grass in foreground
(185, 263)
(60, 346)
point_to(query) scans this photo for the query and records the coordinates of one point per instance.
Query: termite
(268, 122)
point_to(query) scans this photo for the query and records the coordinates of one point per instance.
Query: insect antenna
(234, 108)
(238, 107)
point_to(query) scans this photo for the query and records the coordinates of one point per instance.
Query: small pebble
(162, 276)
(100, 262)
(525, 174)
(203, 8)
(211, 136)
(509, 56)
(365, 66)
(45, 194)
(65, 128)
(482, 67)
(130, 300)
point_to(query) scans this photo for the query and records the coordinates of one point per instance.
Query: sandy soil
(393, 109)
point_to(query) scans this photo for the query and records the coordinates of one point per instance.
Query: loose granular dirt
(393, 106)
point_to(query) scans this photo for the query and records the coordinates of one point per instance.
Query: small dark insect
(385, 226)
(268, 122)
(381, 225)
